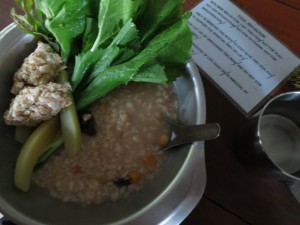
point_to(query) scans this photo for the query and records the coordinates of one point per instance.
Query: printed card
(238, 54)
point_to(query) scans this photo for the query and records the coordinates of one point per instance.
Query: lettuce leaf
(111, 18)
(91, 63)
(149, 65)
(157, 15)
(65, 20)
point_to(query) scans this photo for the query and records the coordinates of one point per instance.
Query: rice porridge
(122, 154)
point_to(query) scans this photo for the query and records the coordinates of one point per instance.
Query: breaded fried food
(40, 67)
(36, 104)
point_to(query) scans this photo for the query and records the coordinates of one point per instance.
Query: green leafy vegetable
(32, 22)
(160, 51)
(124, 46)
(97, 36)
(84, 63)
(157, 16)
(112, 16)
(65, 20)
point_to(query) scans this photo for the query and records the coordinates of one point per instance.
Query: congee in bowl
(96, 83)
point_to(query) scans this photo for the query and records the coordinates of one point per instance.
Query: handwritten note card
(238, 54)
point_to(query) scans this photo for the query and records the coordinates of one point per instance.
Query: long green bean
(69, 123)
(31, 151)
(54, 146)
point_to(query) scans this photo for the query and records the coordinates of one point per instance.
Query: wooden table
(234, 195)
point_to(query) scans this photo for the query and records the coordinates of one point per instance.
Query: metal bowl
(168, 199)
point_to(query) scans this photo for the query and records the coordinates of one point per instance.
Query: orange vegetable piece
(135, 176)
(150, 160)
(163, 140)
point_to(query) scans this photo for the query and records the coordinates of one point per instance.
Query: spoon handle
(188, 134)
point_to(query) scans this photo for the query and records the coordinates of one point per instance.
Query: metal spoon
(183, 134)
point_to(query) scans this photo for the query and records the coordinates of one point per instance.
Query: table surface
(234, 195)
